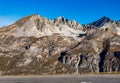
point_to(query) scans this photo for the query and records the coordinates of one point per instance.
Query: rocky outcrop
(112, 58)
(72, 24)
(91, 52)
(37, 45)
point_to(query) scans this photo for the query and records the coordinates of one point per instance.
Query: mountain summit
(101, 21)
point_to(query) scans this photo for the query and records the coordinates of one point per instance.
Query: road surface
(62, 79)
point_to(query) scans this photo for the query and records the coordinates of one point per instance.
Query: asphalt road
(62, 79)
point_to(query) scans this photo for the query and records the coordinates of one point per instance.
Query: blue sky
(83, 11)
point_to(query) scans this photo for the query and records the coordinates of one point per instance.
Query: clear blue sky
(83, 11)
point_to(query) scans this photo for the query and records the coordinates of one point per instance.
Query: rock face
(37, 45)
(91, 52)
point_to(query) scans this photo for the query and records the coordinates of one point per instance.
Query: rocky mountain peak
(101, 21)
(23, 20)
(106, 18)
(32, 18)
(63, 21)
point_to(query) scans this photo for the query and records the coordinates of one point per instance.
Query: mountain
(38, 26)
(39, 46)
(102, 21)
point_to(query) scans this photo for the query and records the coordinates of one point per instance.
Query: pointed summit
(61, 20)
(102, 21)
(22, 21)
